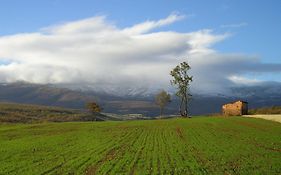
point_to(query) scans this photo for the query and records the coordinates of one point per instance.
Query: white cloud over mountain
(94, 52)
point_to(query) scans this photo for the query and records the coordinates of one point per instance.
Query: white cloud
(244, 81)
(150, 25)
(94, 52)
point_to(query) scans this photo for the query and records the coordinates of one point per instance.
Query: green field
(203, 145)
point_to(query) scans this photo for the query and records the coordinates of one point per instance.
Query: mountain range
(137, 103)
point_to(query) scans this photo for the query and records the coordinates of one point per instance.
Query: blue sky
(253, 27)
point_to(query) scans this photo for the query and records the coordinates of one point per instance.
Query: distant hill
(20, 113)
(266, 110)
(50, 95)
(43, 95)
(62, 97)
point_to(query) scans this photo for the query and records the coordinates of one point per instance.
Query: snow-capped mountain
(135, 100)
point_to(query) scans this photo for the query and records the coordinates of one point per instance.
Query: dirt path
(276, 118)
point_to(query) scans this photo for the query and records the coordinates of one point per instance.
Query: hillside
(266, 110)
(204, 145)
(50, 95)
(137, 103)
(21, 113)
(43, 95)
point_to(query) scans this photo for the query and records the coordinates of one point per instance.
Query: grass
(203, 145)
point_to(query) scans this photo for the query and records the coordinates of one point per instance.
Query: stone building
(236, 108)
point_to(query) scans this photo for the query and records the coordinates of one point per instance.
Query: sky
(134, 44)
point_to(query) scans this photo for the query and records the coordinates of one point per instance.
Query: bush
(266, 110)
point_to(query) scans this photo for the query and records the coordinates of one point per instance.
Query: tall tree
(182, 81)
(162, 99)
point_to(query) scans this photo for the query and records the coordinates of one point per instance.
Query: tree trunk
(185, 103)
(180, 110)
(161, 111)
(94, 116)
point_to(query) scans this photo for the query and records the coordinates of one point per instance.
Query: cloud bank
(95, 53)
